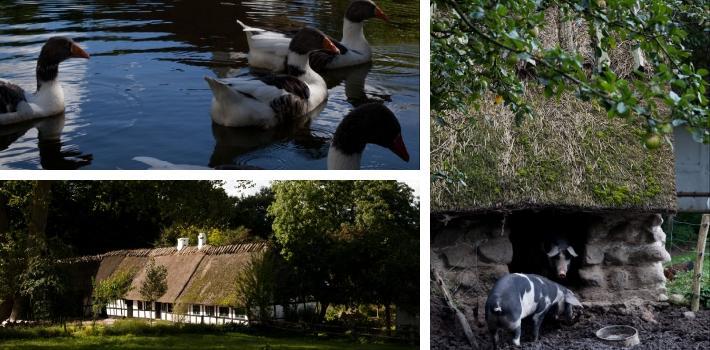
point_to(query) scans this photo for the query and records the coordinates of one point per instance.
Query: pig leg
(537, 322)
(517, 330)
(494, 337)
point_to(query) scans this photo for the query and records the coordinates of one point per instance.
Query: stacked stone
(472, 256)
(623, 260)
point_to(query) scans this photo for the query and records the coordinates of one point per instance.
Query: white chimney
(182, 243)
(201, 240)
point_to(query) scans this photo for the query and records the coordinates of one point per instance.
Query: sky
(231, 187)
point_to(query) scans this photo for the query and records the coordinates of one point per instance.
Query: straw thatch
(569, 155)
(180, 269)
(201, 276)
(213, 282)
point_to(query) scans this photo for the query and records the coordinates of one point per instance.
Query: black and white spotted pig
(517, 296)
(559, 256)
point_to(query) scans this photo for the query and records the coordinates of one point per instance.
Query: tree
(111, 289)
(256, 285)
(251, 212)
(483, 48)
(336, 235)
(155, 284)
(28, 274)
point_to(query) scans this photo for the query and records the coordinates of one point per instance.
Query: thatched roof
(213, 280)
(569, 155)
(205, 276)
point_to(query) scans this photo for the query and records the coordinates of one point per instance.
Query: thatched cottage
(201, 282)
(499, 188)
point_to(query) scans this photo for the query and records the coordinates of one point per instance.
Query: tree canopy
(349, 241)
(487, 51)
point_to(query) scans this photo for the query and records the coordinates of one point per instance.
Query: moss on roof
(201, 276)
(569, 155)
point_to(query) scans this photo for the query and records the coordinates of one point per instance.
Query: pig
(517, 296)
(559, 256)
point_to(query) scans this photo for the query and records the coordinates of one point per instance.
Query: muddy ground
(671, 330)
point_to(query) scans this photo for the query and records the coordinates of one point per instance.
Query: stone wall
(621, 258)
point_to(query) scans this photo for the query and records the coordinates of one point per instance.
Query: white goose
(370, 123)
(18, 105)
(265, 101)
(268, 49)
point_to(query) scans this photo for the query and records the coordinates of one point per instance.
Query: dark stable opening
(528, 231)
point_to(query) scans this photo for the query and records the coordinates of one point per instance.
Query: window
(148, 306)
(210, 310)
(140, 305)
(195, 309)
(224, 312)
(170, 308)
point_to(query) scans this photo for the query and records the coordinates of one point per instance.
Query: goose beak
(381, 15)
(330, 47)
(399, 148)
(78, 52)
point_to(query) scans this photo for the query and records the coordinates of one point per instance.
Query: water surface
(141, 101)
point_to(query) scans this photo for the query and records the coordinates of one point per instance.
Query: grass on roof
(569, 154)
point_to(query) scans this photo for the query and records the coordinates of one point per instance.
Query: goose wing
(11, 96)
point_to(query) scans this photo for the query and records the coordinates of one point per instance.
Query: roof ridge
(237, 248)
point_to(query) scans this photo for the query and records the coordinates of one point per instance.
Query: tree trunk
(39, 210)
(18, 307)
(4, 219)
(323, 309)
(388, 318)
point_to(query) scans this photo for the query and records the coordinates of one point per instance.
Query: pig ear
(570, 298)
(554, 251)
(571, 251)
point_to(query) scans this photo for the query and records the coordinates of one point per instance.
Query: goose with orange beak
(268, 100)
(370, 123)
(267, 49)
(18, 105)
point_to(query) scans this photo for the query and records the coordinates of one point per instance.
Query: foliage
(251, 212)
(256, 284)
(155, 283)
(349, 241)
(129, 214)
(683, 281)
(216, 236)
(481, 48)
(678, 231)
(110, 289)
(42, 283)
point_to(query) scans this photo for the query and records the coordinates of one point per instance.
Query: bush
(216, 236)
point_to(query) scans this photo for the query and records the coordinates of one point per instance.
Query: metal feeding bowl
(619, 335)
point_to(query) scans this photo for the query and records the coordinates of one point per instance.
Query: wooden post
(702, 236)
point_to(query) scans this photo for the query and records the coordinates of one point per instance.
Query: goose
(268, 49)
(267, 100)
(370, 123)
(18, 105)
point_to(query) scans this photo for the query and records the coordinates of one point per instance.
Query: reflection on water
(141, 101)
(49, 146)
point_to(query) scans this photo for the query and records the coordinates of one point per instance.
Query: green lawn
(190, 341)
(684, 280)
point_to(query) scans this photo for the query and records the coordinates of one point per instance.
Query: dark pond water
(141, 101)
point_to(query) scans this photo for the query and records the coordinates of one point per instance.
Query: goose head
(310, 39)
(361, 10)
(370, 123)
(55, 51)
(307, 40)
